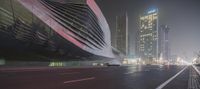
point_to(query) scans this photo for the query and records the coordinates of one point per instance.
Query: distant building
(164, 49)
(147, 36)
(173, 58)
(122, 34)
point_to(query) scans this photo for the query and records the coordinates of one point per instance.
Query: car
(98, 64)
(112, 64)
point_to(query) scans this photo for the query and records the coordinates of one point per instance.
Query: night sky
(183, 17)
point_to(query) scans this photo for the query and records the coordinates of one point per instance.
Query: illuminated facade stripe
(82, 24)
(39, 10)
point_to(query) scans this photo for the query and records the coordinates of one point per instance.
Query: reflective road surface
(123, 77)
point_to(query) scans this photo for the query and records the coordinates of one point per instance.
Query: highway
(123, 77)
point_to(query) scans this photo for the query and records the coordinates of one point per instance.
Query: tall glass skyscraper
(148, 36)
(122, 33)
(164, 49)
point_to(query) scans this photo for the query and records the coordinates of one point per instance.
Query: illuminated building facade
(122, 33)
(148, 36)
(53, 29)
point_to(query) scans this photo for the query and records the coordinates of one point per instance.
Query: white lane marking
(196, 69)
(129, 73)
(69, 73)
(79, 80)
(169, 80)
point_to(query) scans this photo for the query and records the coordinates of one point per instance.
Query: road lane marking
(169, 80)
(69, 73)
(79, 80)
(196, 69)
(129, 73)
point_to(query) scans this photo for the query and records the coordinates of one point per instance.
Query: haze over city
(182, 16)
(99, 44)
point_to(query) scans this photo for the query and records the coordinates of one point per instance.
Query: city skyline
(99, 44)
(173, 13)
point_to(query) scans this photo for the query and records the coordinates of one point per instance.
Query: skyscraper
(148, 36)
(164, 42)
(122, 33)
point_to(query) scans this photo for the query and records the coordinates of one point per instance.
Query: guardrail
(196, 69)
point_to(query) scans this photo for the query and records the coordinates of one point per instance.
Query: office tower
(122, 33)
(164, 49)
(147, 40)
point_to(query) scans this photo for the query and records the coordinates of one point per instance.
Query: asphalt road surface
(123, 77)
